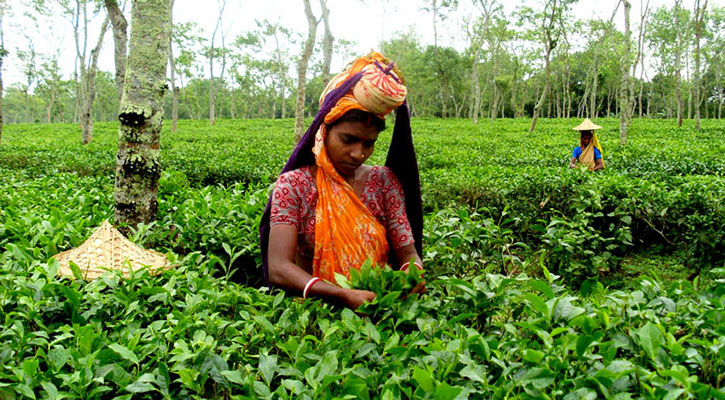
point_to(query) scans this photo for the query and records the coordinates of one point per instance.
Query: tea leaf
(124, 352)
(424, 379)
(650, 338)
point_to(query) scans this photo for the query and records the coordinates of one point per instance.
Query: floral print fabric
(294, 201)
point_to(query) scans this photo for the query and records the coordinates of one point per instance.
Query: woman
(589, 151)
(329, 212)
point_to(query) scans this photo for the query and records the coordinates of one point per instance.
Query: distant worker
(589, 151)
(329, 212)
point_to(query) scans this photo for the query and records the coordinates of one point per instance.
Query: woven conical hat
(108, 249)
(587, 125)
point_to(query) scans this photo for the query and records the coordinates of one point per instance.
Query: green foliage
(184, 334)
(498, 201)
(496, 197)
(392, 288)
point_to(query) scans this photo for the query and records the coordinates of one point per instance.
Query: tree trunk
(51, 103)
(79, 61)
(224, 60)
(514, 88)
(707, 111)
(650, 93)
(699, 16)
(594, 112)
(609, 101)
(141, 116)
(544, 94)
(641, 92)
(487, 8)
(549, 102)
(119, 25)
(678, 67)
(302, 72)
(640, 58)
(624, 92)
(550, 44)
(476, 105)
(232, 105)
(566, 88)
(327, 43)
(26, 105)
(590, 92)
(174, 88)
(281, 78)
(456, 109)
(476, 88)
(687, 77)
(88, 87)
(212, 105)
(718, 81)
(496, 93)
(3, 53)
(441, 71)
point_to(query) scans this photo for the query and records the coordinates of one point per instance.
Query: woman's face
(586, 138)
(349, 145)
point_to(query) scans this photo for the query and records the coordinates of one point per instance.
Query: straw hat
(108, 249)
(587, 125)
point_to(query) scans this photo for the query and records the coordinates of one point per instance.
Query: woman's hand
(353, 298)
(419, 288)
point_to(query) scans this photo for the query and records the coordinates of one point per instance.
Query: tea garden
(543, 282)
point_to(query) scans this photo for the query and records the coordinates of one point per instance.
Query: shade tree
(28, 58)
(186, 39)
(302, 63)
(138, 166)
(120, 41)
(83, 17)
(546, 27)
(502, 71)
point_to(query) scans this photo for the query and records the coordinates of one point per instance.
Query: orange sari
(346, 232)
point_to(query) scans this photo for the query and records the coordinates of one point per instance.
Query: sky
(365, 23)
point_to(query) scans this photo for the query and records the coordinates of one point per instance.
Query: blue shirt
(578, 151)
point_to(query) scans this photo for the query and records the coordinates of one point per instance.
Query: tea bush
(498, 202)
(660, 190)
(184, 334)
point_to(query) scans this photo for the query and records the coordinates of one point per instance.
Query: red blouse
(294, 200)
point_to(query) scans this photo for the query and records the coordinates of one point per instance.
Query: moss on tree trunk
(139, 136)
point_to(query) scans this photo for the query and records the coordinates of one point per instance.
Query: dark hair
(588, 133)
(356, 115)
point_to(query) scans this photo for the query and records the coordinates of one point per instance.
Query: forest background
(463, 59)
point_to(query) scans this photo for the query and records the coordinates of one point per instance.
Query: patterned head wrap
(379, 91)
(372, 84)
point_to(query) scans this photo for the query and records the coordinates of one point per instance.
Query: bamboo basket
(107, 249)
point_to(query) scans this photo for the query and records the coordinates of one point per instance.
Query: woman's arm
(399, 233)
(572, 163)
(575, 157)
(598, 164)
(285, 273)
(406, 254)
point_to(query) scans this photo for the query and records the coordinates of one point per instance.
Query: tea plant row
(186, 334)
